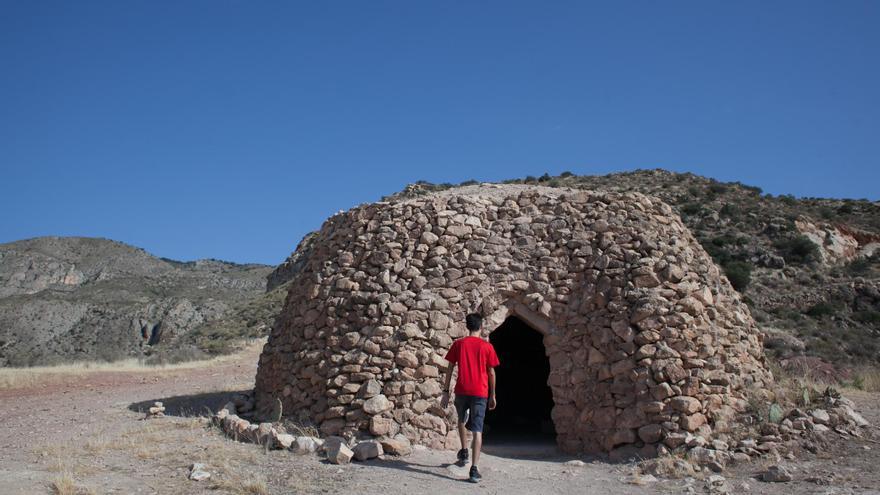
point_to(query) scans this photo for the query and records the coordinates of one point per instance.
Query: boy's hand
(492, 403)
(444, 401)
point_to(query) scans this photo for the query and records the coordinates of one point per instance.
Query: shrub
(691, 208)
(752, 189)
(859, 266)
(554, 183)
(530, 178)
(470, 182)
(822, 309)
(788, 199)
(718, 188)
(868, 316)
(566, 174)
(544, 178)
(739, 273)
(729, 210)
(695, 191)
(845, 209)
(799, 249)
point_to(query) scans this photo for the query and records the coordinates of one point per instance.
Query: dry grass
(65, 484)
(14, 378)
(244, 486)
(866, 379)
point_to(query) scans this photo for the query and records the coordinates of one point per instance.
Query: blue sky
(230, 129)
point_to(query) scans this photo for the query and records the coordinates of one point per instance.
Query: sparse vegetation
(798, 249)
(739, 273)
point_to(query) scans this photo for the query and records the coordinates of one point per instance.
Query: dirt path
(86, 436)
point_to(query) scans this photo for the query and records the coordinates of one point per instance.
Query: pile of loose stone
(648, 343)
(337, 450)
(775, 439)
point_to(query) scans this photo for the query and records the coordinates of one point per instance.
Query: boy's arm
(445, 400)
(492, 401)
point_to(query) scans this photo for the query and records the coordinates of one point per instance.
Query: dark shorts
(471, 409)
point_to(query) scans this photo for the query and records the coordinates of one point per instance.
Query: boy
(474, 389)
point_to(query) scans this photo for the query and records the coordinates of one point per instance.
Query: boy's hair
(473, 322)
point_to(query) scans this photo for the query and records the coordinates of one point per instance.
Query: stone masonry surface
(646, 339)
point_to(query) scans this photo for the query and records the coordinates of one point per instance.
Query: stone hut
(617, 327)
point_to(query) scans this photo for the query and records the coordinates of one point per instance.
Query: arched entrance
(525, 400)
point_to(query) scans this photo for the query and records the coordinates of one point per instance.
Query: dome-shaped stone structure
(646, 340)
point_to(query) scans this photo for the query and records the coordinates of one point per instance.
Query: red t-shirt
(474, 357)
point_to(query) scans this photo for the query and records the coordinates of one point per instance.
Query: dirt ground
(86, 435)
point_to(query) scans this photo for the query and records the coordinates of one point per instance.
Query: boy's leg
(476, 445)
(462, 434)
(463, 410)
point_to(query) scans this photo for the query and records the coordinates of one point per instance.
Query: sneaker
(462, 458)
(474, 475)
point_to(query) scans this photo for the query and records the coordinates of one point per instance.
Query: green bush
(869, 317)
(718, 188)
(739, 273)
(470, 182)
(859, 266)
(695, 191)
(798, 249)
(544, 178)
(729, 210)
(692, 208)
(788, 199)
(822, 309)
(566, 174)
(845, 209)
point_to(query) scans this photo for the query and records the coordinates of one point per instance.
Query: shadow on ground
(400, 464)
(188, 406)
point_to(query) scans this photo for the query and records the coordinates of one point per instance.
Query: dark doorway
(524, 398)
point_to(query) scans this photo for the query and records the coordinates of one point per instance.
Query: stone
(651, 433)
(284, 440)
(339, 453)
(198, 472)
(692, 422)
(820, 416)
(368, 449)
(776, 474)
(380, 426)
(686, 405)
(377, 405)
(399, 445)
(305, 445)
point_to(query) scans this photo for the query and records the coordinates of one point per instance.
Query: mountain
(72, 298)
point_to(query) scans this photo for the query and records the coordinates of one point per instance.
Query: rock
(399, 445)
(305, 445)
(651, 433)
(716, 480)
(575, 463)
(853, 417)
(284, 440)
(686, 405)
(377, 405)
(776, 474)
(380, 426)
(339, 453)
(198, 472)
(368, 449)
(820, 416)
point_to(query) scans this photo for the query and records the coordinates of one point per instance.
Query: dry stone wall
(648, 343)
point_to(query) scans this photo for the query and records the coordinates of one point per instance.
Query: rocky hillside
(64, 299)
(809, 268)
